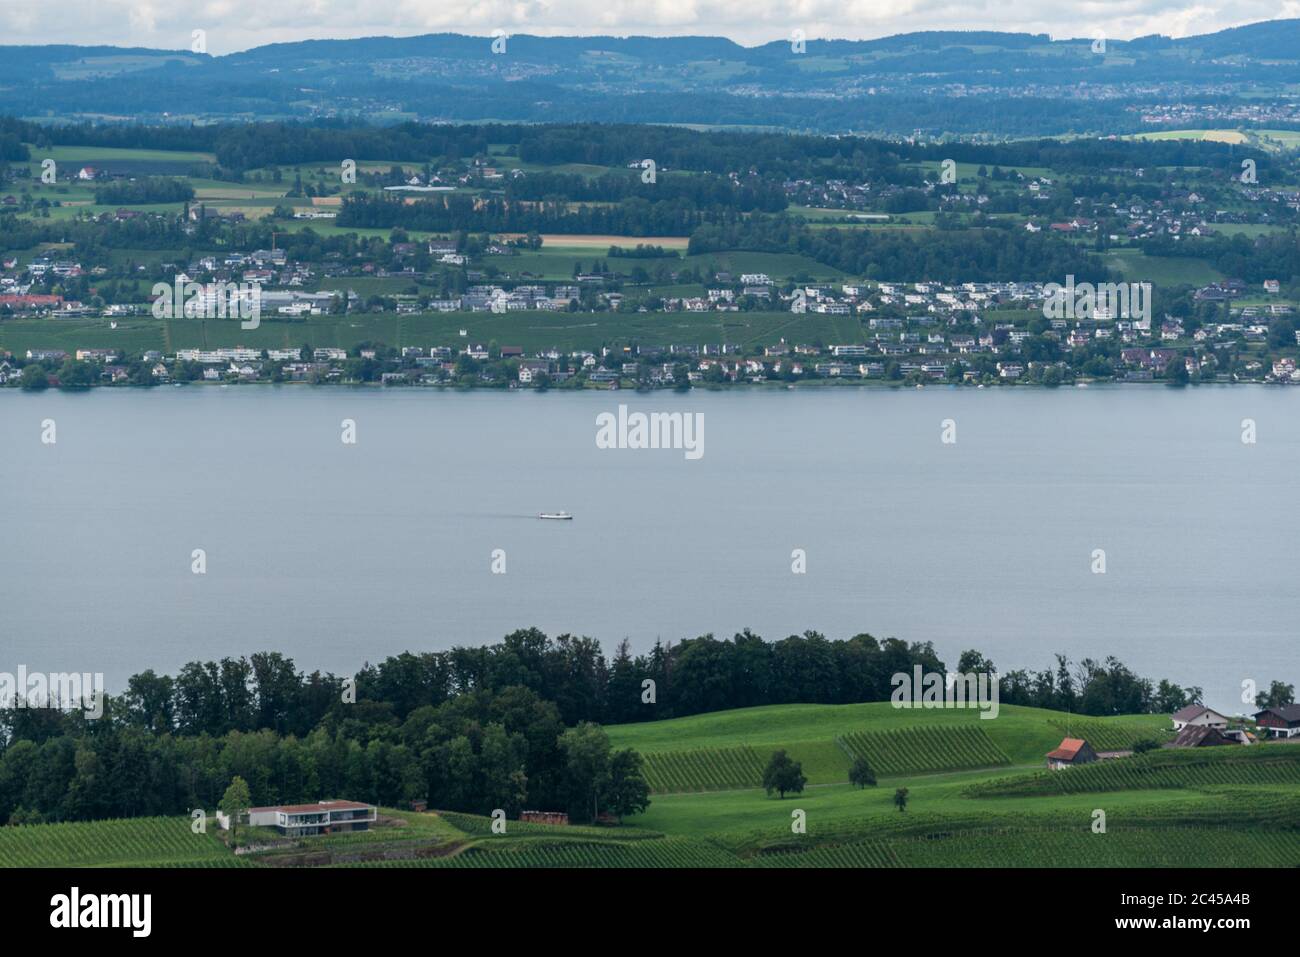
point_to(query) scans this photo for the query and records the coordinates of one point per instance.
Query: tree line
(472, 728)
(634, 216)
(972, 255)
(244, 146)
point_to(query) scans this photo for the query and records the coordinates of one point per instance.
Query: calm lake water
(337, 554)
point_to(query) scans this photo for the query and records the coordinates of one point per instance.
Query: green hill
(728, 749)
(1212, 807)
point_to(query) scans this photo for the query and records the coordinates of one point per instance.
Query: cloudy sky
(238, 24)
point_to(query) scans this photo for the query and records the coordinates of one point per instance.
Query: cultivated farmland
(140, 842)
(1189, 768)
(713, 769)
(910, 750)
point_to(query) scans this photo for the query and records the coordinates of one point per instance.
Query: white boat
(556, 516)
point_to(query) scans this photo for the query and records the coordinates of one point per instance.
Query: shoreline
(727, 387)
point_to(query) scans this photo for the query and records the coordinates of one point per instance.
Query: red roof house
(1071, 752)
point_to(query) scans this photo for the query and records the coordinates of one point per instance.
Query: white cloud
(238, 24)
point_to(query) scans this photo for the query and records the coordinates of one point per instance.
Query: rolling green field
(1024, 735)
(1212, 807)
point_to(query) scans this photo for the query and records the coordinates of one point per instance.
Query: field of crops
(1117, 847)
(862, 854)
(1025, 847)
(657, 853)
(709, 769)
(1102, 735)
(1183, 768)
(910, 750)
(142, 842)
(1007, 846)
(476, 825)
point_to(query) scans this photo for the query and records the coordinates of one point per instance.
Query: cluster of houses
(1178, 212)
(1194, 726)
(910, 331)
(1181, 213)
(1215, 112)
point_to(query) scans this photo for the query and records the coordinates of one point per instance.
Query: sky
(233, 25)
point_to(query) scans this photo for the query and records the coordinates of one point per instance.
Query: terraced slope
(1197, 768)
(705, 769)
(912, 750)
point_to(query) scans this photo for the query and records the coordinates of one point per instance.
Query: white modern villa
(323, 817)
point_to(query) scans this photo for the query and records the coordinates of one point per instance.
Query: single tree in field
(783, 775)
(235, 802)
(900, 799)
(861, 773)
(1143, 745)
(628, 791)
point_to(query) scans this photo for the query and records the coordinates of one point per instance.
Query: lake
(337, 554)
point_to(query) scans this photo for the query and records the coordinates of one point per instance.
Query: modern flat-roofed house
(1198, 715)
(323, 817)
(1071, 752)
(1280, 722)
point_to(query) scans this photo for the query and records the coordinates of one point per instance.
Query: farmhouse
(323, 817)
(1198, 715)
(1280, 722)
(1200, 736)
(1071, 752)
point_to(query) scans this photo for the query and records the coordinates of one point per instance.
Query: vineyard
(1105, 736)
(1078, 847)
(910, 750)
(712, 769)
(140, 842)
(1167, 768)
(537, 852)
(1117, 847)
(479, 826)
(861, 854)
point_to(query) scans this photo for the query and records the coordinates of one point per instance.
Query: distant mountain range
(1002, 84)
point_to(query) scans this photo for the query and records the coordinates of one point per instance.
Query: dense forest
(631, 217)
(508, 725)
(947, 257)
(246, 146)
(150, 189)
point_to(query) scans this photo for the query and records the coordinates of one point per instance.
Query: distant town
(554, 257)
(975, 332)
